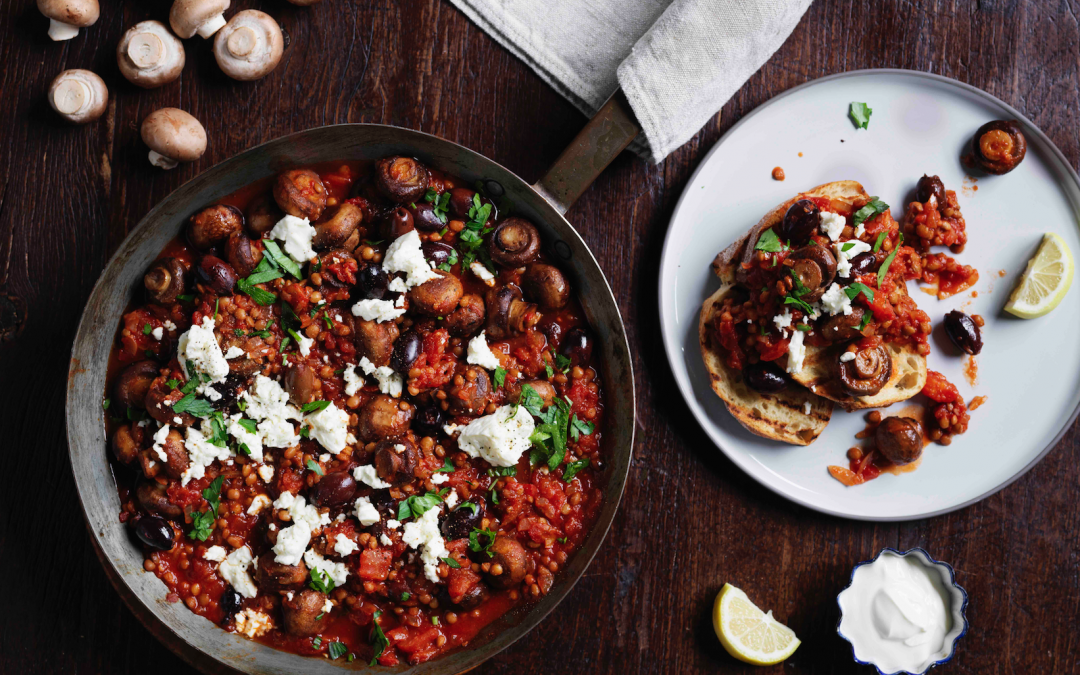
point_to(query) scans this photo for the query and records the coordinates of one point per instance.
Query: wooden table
(690, 520)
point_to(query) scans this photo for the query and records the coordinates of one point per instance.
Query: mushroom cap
(186, 16)
(80, 96)
(175, 134)
(81, 13)
(149, 55)
(249, 46)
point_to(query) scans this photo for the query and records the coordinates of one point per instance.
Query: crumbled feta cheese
(450, 428)
(393, 524)
(215, 553)
(201, 452)
(337, 572)
(296, 233)
(305, 345)
(835, 301)
(796, 352)
(209, 391)
(329, 427)
(278, 433)
(366, 474)
(860, 230)
(328, 606)
(252, 441)
(170, 326)
(451, 499)
(378, 311)
(845, 251)
(439, 478)
(350, 439)
(847, 356)
(253, 623)
(291, 544)
(397, 285)
(158, 333)
(500, 438)
(385, 540)
(325, 457)
(806, 407)
(832, 224)
(258, 503)
(293, 540)
(178, 421)
(783, 321)
(425, 533)
(266, 472)
(200, 347)
(405, 255)
(344, 546)
(400, 302)
(234, 352)
(480, 353)
(389, 382)
(353, 381)
(234, 570)
(159, 443)
(268, 399)
(365, 512)
(482, 273)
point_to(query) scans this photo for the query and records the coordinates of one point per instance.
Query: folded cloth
(677, 61)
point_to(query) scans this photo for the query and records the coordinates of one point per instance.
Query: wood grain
(690, 520)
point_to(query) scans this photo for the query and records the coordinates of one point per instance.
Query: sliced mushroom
(401, 179)
(242, 253)
(214, 224)
(815, 269)
(164, 280)
(149, 55)
(300, 193)
(507, 313)
(80, 96)
(514, 243)
(844, 326)
(336, 231)
(546, 285)
(66, 17)
(867, 372)
(173, 136)
(250, 46)
(205, 17)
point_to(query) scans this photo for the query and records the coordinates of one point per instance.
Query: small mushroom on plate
(867, 371)
(66, 17)
(80, 96)
(173, 136)
(205, 17)
(250, 46)
(149, 55)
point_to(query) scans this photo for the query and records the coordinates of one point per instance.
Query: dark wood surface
(690, 520)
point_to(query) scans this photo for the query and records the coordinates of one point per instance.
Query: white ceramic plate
(1028, 370)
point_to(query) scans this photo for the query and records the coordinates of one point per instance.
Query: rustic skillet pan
(194, 638)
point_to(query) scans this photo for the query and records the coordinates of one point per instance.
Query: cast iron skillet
(196, 639)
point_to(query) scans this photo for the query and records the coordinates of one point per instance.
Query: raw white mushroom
(205, 17)
(249, 46)
(173, 136)
(80, 96)
(66, 17)
(149, 55)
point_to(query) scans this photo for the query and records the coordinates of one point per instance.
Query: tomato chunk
(375, 564)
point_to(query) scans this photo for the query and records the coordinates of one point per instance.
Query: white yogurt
(897, 614)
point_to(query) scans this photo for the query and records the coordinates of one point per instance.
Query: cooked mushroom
(844, 326)
(396, 460)
(125, 445)
(133, 383)
(815, 268)
(300, 193)
(383, 417)
(546, 285)
(999, 146)
(437, 297)
(900, 439)
(154, 498)
(250, 46)
(149, 55)
(302, 613)
(543, 389)
(159, 401)
(214, 224)
(470, 391)
(467, 318)
(262, 214)
(176, 460)
(164, 280)
(867, 371)
(375, 340)
(242, 253)
(337, 230)
(401, 179)
(300, 383)
(274, 576)
(507, 562)
(205, 17)
(216, 274)
(66, 17)
(514, 243)
(80, 96)
(507, 313)
(173, 136)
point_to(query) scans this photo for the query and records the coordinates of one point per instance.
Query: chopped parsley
(801, 304)
(440, 203)
(860, 114)
(580, 427)
(194, 406)
(468, 505)
(874, 207)
(451, 260)
(769, 242)
(266, 271)
(314, 406)
(447, 467)
(854, 289)
(186, 297)
(471, 239)
(320, 580)
(888, 261)
(202, 523)
(418, 505)
(562, 362)
(500, 376)
(146, 329)
(880, 239)
(312, 465)
(105, 404)
(865, 320)
(405, 596)
(337, 649)
(378, 638)
(452, 563)
(283, 261)
(248, 425)
(572, 469)
(502, 471)
(478, 546)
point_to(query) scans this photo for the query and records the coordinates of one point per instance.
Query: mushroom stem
(212, 25)
(161, 161)
(59, 31)
(72, 97)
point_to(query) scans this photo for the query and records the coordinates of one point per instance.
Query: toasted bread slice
(781, 416)
(819, 375)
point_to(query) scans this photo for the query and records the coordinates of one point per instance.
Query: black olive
(155, 532)
(963, 331)
(930, 186)
(576, 346)
(217, 274)
(230, 602)
(425, 219)
(334, 489)
(429, 420)
(864, 263)
(437, 252)
(385, 504)
(764, 377)
(460, 522)
(372, 281)
(407, 349)
(801, 221)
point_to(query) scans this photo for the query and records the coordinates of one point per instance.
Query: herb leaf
(285, 262)
(860, 114)
(888, 261)
(572, 469)
(248, 425)
(193, 406)
(452, 563)
(418, 505)
(447, 467)
(769, 242)
(312, 465)
(801, 304)
(202, 523)
(500, 377)
(336, 650)
(854, 289)
(874, 207)
(320, 580)
(880, 239)
(314, 406)
(477, 546)
(378, 638)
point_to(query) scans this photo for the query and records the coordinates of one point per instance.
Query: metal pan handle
(597, 145)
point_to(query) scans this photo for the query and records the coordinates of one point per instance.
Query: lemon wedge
(1046, 280)
(748, 633)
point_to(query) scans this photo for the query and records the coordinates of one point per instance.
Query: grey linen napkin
(677, 61)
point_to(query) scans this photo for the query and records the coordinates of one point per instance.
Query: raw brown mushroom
(173, 136)
(205, 17)
(66, 17)
(80, 96)
(149, 55)
(250, 46)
